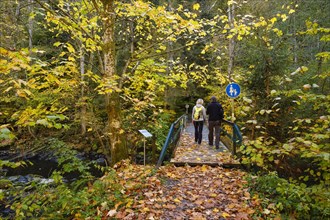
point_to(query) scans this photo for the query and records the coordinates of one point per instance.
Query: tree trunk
(231, 46)
(83, 99)
(170, 58)
(114, 131)
(30, 26)
(295, 44)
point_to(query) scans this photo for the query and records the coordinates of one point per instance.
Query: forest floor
(186, 192)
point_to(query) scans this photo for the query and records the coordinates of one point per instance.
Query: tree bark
(231, 46)
(295, 44)
(170, 58)
(83, 98)
(115, 132)
(30, 26)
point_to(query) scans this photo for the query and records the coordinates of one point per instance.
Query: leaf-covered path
(185, 192)
(200, 192)
(191, 153)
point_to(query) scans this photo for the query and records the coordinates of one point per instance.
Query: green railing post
(172, 136)
(235, 137)
(234, 140)
(162, 153)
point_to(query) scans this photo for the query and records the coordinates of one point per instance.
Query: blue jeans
(198, 131)
(214, 127)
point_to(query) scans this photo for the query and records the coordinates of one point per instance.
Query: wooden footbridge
(181, 149)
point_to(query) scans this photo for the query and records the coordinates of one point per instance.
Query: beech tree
(150, 30)
(115, 131)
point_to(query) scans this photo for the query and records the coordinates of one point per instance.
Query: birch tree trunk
(114, 131)
(83, 98)
(170, 59)
(295, 44)
(231, 46)
(30, 25)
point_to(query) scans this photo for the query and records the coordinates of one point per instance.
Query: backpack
(198, 112)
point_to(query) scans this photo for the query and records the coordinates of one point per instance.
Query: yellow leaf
(304, 68)
(196, 6)
(231, 2)
(284, 17)
(230, 36)
(273, 20)
(70, 48)
(71, 59)
(162, 47)
(57, 44)
(177, 200)
(21, 94)
(225, 214)
(129, 204)
(291, 11)
(146, 209)
(213, 195)
(204, 168)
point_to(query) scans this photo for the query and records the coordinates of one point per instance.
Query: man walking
(215, 112)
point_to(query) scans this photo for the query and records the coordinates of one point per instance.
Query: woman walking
(198, 117)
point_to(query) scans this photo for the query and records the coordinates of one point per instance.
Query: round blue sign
(233, 90)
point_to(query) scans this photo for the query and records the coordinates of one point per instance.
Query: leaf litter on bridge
(189, 152)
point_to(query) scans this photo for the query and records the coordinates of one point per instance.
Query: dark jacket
(215, 111)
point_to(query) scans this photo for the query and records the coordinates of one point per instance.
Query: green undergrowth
(292, 199)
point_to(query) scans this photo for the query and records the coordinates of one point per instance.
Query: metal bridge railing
(172, 138)
(231, 131)
(231, 137)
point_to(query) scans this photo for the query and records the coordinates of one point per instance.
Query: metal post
(234, 140)
(144, 151)
(232, 110)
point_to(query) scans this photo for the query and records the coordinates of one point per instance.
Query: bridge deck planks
(189, 153)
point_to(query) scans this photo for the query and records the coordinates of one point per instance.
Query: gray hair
(200, 101)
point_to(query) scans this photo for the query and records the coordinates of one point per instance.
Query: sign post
(233, 90)
(187, 107)
(145, 134)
